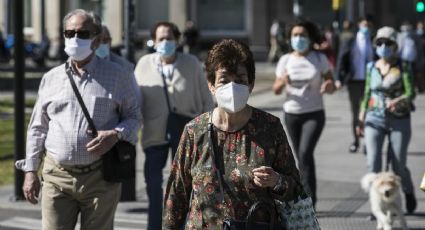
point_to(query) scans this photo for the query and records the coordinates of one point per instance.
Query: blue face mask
(384, 51)
(166, 48)
(300, 43)
(364, 30)
(103, 50)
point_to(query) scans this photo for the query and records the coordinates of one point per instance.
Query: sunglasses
(83, 34)
(384, 42)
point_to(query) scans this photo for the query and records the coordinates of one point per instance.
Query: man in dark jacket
(353, 57)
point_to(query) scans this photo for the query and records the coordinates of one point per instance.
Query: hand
(104, 141)
(31, 187)
(280, 83)
(338, 84)
(360, 129)
(327, 87)
(265, 177)
(391, 104)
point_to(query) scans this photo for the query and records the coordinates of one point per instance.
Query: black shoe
(411, 202)
(353, 147)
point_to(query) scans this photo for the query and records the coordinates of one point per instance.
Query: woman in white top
(305, 74)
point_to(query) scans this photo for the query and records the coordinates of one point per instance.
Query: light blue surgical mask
(300, 43)
(364, 30)
(103, 50)
(385, 52)
(166, 48)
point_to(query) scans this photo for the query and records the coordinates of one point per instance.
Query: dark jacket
(343, 71)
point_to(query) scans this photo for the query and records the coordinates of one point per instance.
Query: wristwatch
(119, 135)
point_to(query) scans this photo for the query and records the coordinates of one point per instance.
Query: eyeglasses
(83, 34)
(384, 42)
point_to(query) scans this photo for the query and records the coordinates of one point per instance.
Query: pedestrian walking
(104, 51)
(277, 41)
(59, 135)
(385, 111)
(305, 74)
(353, 56)
(411, 49)
(190, 38)
(328, 45)
(346, 34)
(231, 157)
(174, 90)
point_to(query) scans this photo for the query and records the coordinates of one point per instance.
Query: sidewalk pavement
(341, 202)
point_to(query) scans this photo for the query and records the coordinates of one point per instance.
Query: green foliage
(6, 172)
(7, 132)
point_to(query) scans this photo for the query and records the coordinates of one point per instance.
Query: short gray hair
(95, 20)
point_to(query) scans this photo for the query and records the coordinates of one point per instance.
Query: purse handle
(92, 127)
(261, 205)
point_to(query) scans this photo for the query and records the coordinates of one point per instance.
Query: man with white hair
(59, 133)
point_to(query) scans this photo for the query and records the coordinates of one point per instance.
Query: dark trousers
(304, 131)
(156, 159)
(355, 94)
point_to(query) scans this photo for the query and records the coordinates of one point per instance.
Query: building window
(27, 13)
(149, 12)
(89, 5)
(221, 14)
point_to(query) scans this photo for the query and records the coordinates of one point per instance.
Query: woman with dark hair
(385, 111)
(305, 74)
(252, 160)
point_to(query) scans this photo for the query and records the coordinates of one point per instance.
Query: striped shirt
(58, 125)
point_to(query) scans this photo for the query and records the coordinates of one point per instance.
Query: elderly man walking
(59, 133)
(174, 89)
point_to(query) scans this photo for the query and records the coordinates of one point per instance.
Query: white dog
(384, 197)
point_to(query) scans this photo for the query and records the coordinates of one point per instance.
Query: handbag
(402, 108)
(175, 121)
(298, 213)
(118, 164)
(248, 223)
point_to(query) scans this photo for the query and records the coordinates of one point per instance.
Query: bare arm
(328, 85)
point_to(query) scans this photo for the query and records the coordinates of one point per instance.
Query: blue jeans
(399, 133)
(156, 158)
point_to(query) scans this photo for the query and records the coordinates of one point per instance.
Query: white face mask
(232, 97)
(78, 49)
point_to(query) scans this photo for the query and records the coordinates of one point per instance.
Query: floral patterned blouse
(261, 142)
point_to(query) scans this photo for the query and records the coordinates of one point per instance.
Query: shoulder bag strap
(166, 90)
(213, 155)
(215, 162)
(80, 100)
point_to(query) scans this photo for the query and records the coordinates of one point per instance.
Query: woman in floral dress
(252, 151)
